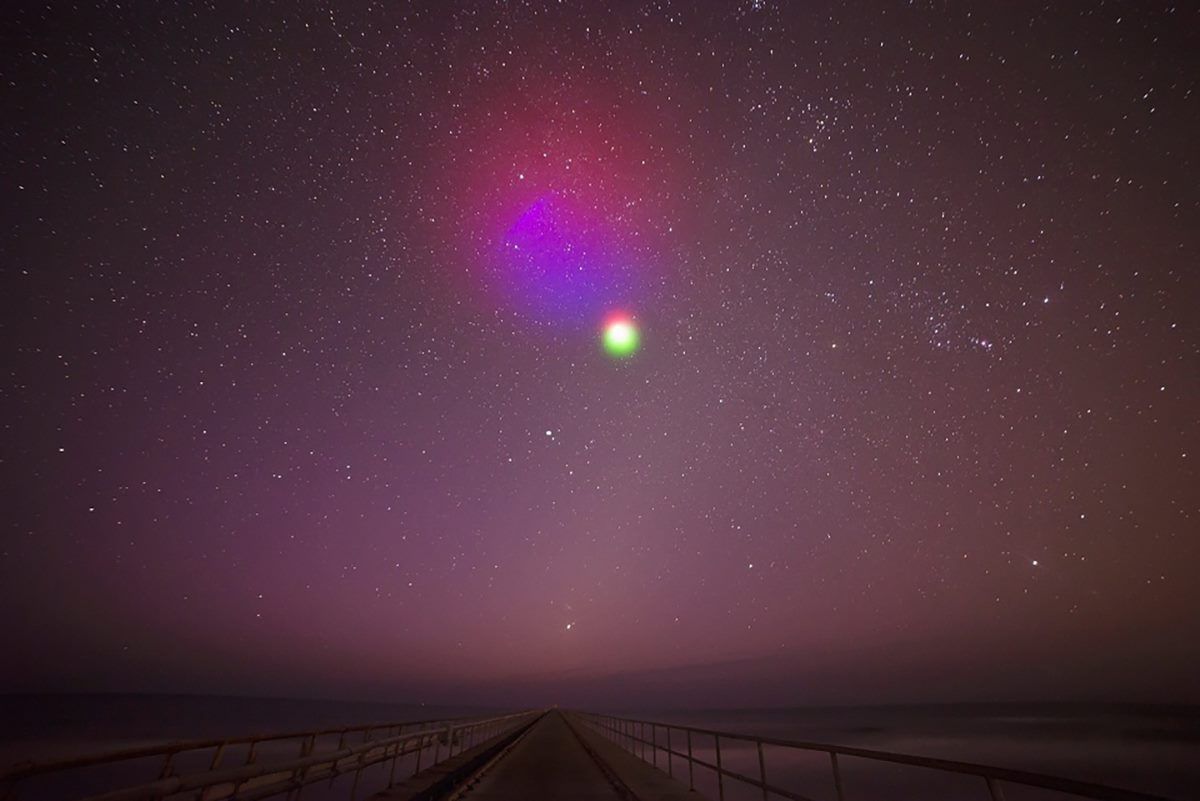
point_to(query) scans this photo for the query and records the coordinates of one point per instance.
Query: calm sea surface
(1151, 749)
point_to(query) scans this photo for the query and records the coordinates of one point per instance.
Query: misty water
(1153, 749)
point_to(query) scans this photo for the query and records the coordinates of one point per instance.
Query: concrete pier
(553, 758)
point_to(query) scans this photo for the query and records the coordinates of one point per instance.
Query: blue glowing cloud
(563, 262)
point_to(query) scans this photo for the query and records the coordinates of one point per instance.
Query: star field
(306, 394)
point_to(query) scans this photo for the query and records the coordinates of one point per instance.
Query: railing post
(720, 772)
(994, 788)
(306, 748)
(396, 756)
(220, 752)
(837, 776)
(333, 771)
(357, 774)
(654, 744)
(670, 764)
(691, 766)
(420, 749)
(762, 770)
(358, 771)
(251, 756)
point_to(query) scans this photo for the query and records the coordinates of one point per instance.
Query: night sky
(305, 391)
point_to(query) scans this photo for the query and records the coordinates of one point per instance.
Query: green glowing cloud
(621, 338)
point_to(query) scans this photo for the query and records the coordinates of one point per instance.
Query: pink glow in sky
(304, 395)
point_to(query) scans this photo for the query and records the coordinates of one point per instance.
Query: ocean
(1152, 749)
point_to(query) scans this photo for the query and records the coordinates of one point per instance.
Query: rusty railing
(358, 747)
(638, 736)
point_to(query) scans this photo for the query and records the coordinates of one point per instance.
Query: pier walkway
(547, 762)
(554, 759)
(537, 755)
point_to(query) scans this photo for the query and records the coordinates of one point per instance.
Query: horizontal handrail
(26, 768)
(271, 777)
(993, 775)
(236, 776)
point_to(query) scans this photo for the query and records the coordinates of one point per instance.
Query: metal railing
(631, 734)
(256, 778)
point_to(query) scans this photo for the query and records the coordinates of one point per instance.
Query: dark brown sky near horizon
(304, 393)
